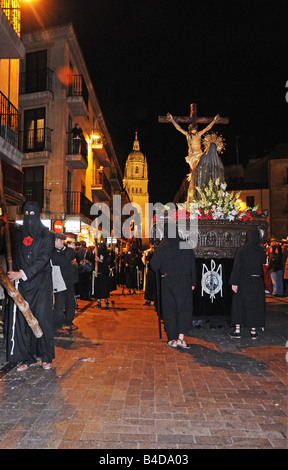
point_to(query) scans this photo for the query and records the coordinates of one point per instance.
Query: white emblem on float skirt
(211, 282)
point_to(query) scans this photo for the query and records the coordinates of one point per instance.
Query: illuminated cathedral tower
(135, 182)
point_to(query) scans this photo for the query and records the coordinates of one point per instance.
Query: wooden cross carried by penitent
(193, 118)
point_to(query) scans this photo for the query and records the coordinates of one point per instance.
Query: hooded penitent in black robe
(248, 304)
(102, 281)
(150, 289)
(178, 275)
(131, 263)
(32, 248)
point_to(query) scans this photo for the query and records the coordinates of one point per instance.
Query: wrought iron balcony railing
(78, 87)
(78, 204)
(9, 121)
(35, 81)
(100, 181)
(76, 146)
(36, 140)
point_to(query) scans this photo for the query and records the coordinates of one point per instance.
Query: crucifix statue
(193, 137)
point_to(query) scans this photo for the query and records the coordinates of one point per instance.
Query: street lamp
(30, 4)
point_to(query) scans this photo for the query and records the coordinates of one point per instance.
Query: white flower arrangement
(216, 203)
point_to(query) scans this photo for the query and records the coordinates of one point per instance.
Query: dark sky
(150, 57)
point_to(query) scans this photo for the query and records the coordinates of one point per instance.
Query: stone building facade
(66, 176)
(12, 50)
(135, 182)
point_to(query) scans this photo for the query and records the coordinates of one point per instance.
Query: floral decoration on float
(222, 225)
(215, 203)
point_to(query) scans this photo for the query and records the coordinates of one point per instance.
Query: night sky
(150, 57)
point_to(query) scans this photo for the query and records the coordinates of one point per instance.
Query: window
(34, 184)
(136, 170)
(34, 130)
(36, 71)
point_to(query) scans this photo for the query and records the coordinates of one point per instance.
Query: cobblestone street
(115, 385)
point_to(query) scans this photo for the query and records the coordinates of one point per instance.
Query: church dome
(136, 155)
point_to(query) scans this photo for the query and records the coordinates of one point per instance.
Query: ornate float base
(215, 244)
(215, 238)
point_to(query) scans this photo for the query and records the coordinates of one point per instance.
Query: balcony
(35, 86)
(97, 142)
(9, 121)
(76, 156)
(77, 96)
(36, 145)
(101, 185)
(116, 180)
(78, 204)
(11, 46)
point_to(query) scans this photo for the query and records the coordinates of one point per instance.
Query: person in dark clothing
(131, 263)
(248, 301)
(150, 286)
(102, 280)
(77, 135)
(64, 305)
(121, 271)
(275, 268)
(32, 247)
(178, 279)
(112, 271)
(85, 278)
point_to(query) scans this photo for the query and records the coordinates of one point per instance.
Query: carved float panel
(215, 238)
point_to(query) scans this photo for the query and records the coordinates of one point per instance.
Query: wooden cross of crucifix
(193, 118)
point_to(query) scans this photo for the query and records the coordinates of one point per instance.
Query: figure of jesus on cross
(193, 136)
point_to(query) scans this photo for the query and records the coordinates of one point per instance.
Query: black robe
(248, 304)
(34, 260)
(178, 274)
(102, 281)
(85, 278)
(150, 289)
(131, 263)
(112, 271)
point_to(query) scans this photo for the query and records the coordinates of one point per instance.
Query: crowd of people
(99, 270)
(276, 268)
(51, 273)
